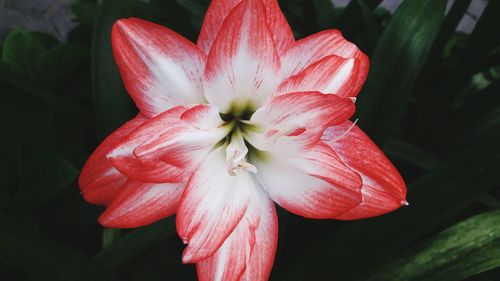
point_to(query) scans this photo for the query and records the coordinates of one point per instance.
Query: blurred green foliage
(432, 102)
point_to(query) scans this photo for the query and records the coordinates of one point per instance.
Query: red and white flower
(245, 118)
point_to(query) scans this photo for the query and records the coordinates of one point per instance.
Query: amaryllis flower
(245, 118)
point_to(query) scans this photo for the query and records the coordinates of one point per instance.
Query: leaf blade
(46, 260)
(111, 102)
(463, 250)
(136, 243)
(43, 178)
(397, 60)
(433, 198)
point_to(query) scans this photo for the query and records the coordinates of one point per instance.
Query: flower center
(236, 146)
(238, 111)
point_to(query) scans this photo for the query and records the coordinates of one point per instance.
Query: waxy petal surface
(212, 206)
(307, 51)
(313, 183)
(220, 9)
(298, 118)
(139, 204)
(383, 187)
(243, 64)
(99, 180)
(248, 253)
(331, 74)
(168, 147)
(160, 69)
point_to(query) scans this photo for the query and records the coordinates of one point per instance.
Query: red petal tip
(104, 222)
(119, 24)
(187, 258)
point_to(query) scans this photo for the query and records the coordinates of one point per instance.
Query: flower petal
(312, 182)
(140, 204)
(168, 147)
(220, 9)
(99, 180)
(332, 74)
(383, 188)
(212, 206)
(301, 117)
(248, 253)
(159, 68)
(309, 50)
(242, 66)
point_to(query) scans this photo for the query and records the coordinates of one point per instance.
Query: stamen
(272, 136)
(236, 153)
(346, 131)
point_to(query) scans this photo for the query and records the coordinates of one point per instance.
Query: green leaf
(86, 12)
(60, 61)
(41, 93)
(160, 261)
(77, 211)
(476, 120)
(372, 4)
(490, 201)
(325, 13)
(111, 102)
(409, 153)
(295, 15)
(396, 63)
(482, 41)
(306, 12)
(45, 260)
(485, 78)
(197, 10)
(183, 16)
(136, 243)
(40, 58)
(110, 236)
(195, 7)
(461, 251)
(47, 40)
(359, 24)
(27, 128)
(491, 275)
(449, 26)
(43, 178)
(21, 52)
(486, 125)
(434, 198)
(29, 59)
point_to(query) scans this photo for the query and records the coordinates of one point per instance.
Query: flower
(246, 118)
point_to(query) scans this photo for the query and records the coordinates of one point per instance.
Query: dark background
(432, 102)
